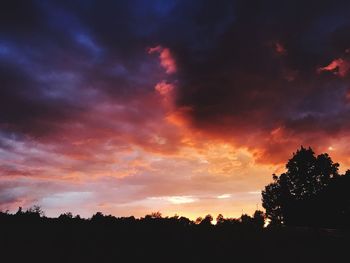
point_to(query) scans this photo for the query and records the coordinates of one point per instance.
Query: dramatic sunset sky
(177, 106)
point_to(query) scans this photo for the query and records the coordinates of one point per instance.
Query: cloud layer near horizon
(181, 106)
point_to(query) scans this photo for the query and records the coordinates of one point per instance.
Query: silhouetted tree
(220, 219)
(35, 211)
(206, 220)
(98, 217)
(19, 211)
(66, 216)
(256, 221)
(259, 219)
(155, 215)
(198, 220)
(227, 222)
(305, 194)
(184, 221)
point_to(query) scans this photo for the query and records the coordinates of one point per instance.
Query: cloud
(223, 196)
(238, 89)
(166, 59)
(176, 199)
(338, 67)
(223, 96)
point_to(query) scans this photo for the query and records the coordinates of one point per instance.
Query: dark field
(164, 240)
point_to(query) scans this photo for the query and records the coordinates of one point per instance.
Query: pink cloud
(166, 59)
(338, 66)
(164, 88)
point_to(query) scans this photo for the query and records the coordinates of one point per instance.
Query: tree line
(36, 215)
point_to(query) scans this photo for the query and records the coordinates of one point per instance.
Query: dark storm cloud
(24, 107)
(242, 65)
(56, 61)
(242, 80)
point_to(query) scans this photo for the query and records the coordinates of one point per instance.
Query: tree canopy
(310, 193)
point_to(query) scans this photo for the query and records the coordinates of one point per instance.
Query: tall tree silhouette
(302, 195)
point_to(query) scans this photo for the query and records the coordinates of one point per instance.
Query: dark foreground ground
(162, 241)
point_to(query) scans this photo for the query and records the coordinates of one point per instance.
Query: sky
(183, 107)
